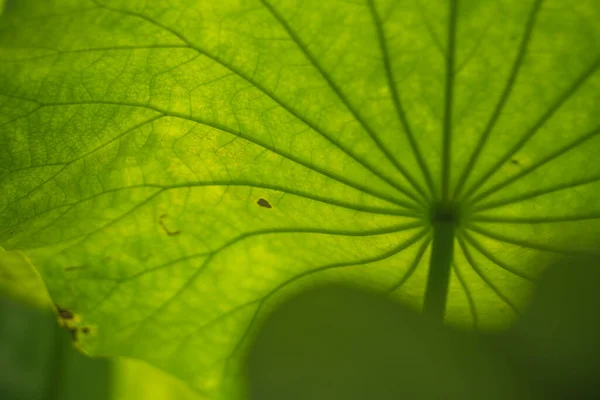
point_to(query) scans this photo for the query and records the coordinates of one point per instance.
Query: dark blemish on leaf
(163, 226)
(85, 330)
(64, 313)
(74, 268)
(514, 162)
(73, 332)
(264, 203)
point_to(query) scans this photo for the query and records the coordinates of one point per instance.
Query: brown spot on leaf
(64, 313)
(161, 222)
(85, 330)
(73, 332)
(263, 203)
(515, 162)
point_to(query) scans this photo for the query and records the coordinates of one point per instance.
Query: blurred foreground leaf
(338, 343)
(556, 345)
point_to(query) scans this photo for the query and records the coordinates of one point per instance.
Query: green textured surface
(138, 138)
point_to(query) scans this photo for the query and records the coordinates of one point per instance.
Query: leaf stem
(448, 102)
(439, 268)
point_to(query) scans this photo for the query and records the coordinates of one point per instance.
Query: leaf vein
(401, 113)
(484, 278)
(271, 95)
(510, 83)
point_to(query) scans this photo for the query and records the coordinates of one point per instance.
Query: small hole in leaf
(264, 203)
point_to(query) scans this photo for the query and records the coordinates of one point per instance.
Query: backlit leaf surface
(176, 168)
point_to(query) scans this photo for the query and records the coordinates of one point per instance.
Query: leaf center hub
(445, 213)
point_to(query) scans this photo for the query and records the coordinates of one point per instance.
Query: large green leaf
(176, 168)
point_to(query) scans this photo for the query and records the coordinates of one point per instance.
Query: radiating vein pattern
(175, 170)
